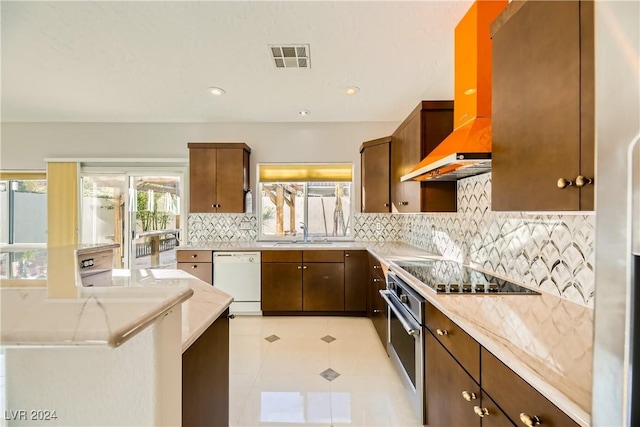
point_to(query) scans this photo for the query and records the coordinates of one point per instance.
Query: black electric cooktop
(450, 277)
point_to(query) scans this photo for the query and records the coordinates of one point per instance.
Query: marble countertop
(545, 339)
(109, 315)
(390, 247)
(201, 310)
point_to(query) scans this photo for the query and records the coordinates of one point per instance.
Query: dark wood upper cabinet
(218, 177)
(427, 125)
(375, 157)
(543, 106)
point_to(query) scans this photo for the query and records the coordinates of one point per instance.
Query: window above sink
(320, 196)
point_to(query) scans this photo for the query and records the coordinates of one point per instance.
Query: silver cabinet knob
(404, 299)
(299, 267)
(347, 254)
(563, 183)
(442, 332)
(304, 267)
(194, 266)
(481, 412)
(530, 420)
(581, 181)
(469, 396)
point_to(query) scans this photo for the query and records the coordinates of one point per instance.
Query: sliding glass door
(140, 210)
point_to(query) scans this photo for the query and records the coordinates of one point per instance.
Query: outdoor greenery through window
(320, 198)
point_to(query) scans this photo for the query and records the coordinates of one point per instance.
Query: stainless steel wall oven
(405, 309)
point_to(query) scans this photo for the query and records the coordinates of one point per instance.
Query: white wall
(23, 146)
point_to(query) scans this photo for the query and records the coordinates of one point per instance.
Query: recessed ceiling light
(351, 90)
(304, 113)
(217, 91)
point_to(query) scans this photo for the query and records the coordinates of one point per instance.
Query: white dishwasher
(238, 274)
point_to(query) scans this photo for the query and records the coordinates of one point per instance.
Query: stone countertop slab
(109, 315)
(545, 339)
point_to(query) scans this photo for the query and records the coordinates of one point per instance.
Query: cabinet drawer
(516, 396)
(464, 348)
(194, 256)
(323, 256)
(281, 256)
(202, 270)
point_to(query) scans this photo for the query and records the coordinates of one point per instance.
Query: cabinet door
(281, 287)
(493, 415)
(201, 270)
(376, 175)
(515, 396)
(445, 382)
(378, 307)
(411, 156)
(202, 181)
(537, 108)
(397, 141)
(356, 273)
(323, 286)
(230, 180)
(205, 377)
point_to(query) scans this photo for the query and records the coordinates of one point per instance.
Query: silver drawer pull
(530, 421)
(469, 396)
(481, 412)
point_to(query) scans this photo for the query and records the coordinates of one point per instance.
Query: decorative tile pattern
(272, 338)
(554, 253)
(221, 228)
(329, 374)
(328, 339)
(378, 227)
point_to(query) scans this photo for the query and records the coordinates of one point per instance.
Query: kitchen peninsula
(113, 355)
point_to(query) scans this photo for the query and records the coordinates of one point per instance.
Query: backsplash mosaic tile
(204, 227)
(554, 253)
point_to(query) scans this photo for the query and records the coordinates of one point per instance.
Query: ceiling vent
(290, 56)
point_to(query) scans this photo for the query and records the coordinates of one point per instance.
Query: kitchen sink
(299, 243)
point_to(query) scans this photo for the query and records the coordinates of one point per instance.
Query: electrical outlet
(245, 225)
(378, 226)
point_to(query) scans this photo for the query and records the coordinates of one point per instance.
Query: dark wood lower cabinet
(356, 266)
(205, 377)
(445, 382)
(377, 307)
(281, 286)
(323, 286)
(314, 282)
(516, 396)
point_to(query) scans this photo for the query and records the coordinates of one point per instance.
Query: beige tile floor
(279, 384)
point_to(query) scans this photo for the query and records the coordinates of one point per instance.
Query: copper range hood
(467, 151)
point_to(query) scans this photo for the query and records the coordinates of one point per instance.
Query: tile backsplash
(203, 227)
(554, 253)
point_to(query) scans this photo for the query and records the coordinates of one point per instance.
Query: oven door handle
(411, 327)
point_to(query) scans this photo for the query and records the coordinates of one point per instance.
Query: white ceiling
(153, 61)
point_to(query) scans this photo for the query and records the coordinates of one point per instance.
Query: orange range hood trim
(465, 152)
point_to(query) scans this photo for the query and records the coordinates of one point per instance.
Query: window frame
(259, 205)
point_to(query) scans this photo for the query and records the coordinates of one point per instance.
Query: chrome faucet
(305, 232)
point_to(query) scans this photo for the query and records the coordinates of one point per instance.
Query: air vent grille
(290, 56)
